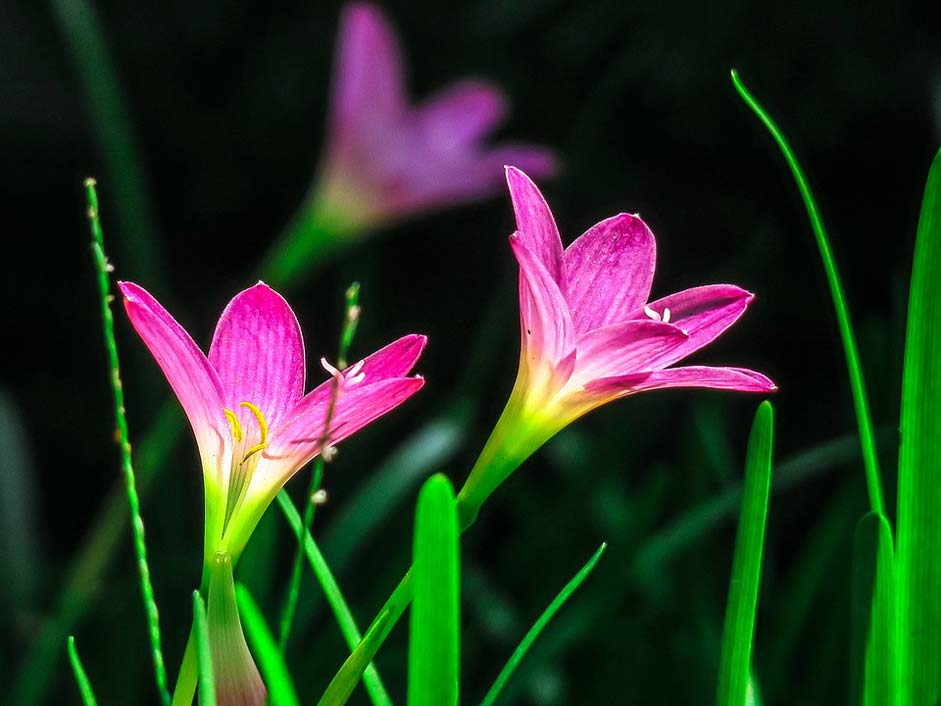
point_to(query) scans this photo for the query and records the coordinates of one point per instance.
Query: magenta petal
(258, 352)
(300, 437)
(624, 348)
(394, 360)
(462, 114)
(535, 225)
(703, 312)
(546, 324)
(609, 271)
(739, 379)
(186, 368)
(368, 83)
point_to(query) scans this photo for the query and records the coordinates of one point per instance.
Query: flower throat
(242, 470)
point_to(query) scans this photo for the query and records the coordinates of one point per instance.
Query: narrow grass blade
(265, 648)
(850, 350)
(341, 610)
(527, 642)
(435, 630)
(110, 120)
(350, 322)
(137, 523)
(873, 658)
(84, 686)
(207, 682)
(738, 634)
(919, 502)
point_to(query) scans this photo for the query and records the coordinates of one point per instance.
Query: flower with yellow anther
(255, 428)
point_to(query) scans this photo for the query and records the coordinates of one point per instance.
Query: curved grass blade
(344, 616)
(281, 690)
(919, 502)
(850, 350)
(527, 642)
(84, 686)
(873, 658)
(110, 120)
(207, 683)
(738, 634)
(137, 523)
(435, 630)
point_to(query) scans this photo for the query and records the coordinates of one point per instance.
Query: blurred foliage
(227, 103)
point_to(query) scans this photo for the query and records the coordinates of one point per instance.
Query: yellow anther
(234, 424)
(262, 427)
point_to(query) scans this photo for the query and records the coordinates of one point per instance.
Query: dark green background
(228, 105)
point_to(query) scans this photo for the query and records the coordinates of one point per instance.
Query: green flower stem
(857, 383)
(307, 243)
(137, 523)
(350, 321)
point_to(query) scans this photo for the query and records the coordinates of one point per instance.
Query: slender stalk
(350, 321)
(854, 367)
(81, 678)
(137, 523)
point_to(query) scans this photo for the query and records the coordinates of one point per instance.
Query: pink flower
(254, 426)
(589, 334)
(388, 159)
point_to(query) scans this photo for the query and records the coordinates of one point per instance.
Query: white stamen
(666, 314)
(333, 372)
(651, 313)
(319, 498)
(329, 453)
(354, 375)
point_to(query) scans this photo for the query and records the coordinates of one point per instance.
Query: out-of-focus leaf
(919, 502)
(435, 628)
(265, 649)
(520, 652)
(738, 634)
(19, 551)
(207, 682)
(873, 659)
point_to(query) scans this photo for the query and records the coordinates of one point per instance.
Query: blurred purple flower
(387, 159)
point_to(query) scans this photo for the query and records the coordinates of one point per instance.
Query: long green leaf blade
(919, 503)
(854, 367)
(84, 686)
(341, 610)
(738, 634)
(873, 657)
(265, 648)
(435, 634)
(527, 642)
(207, 682)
